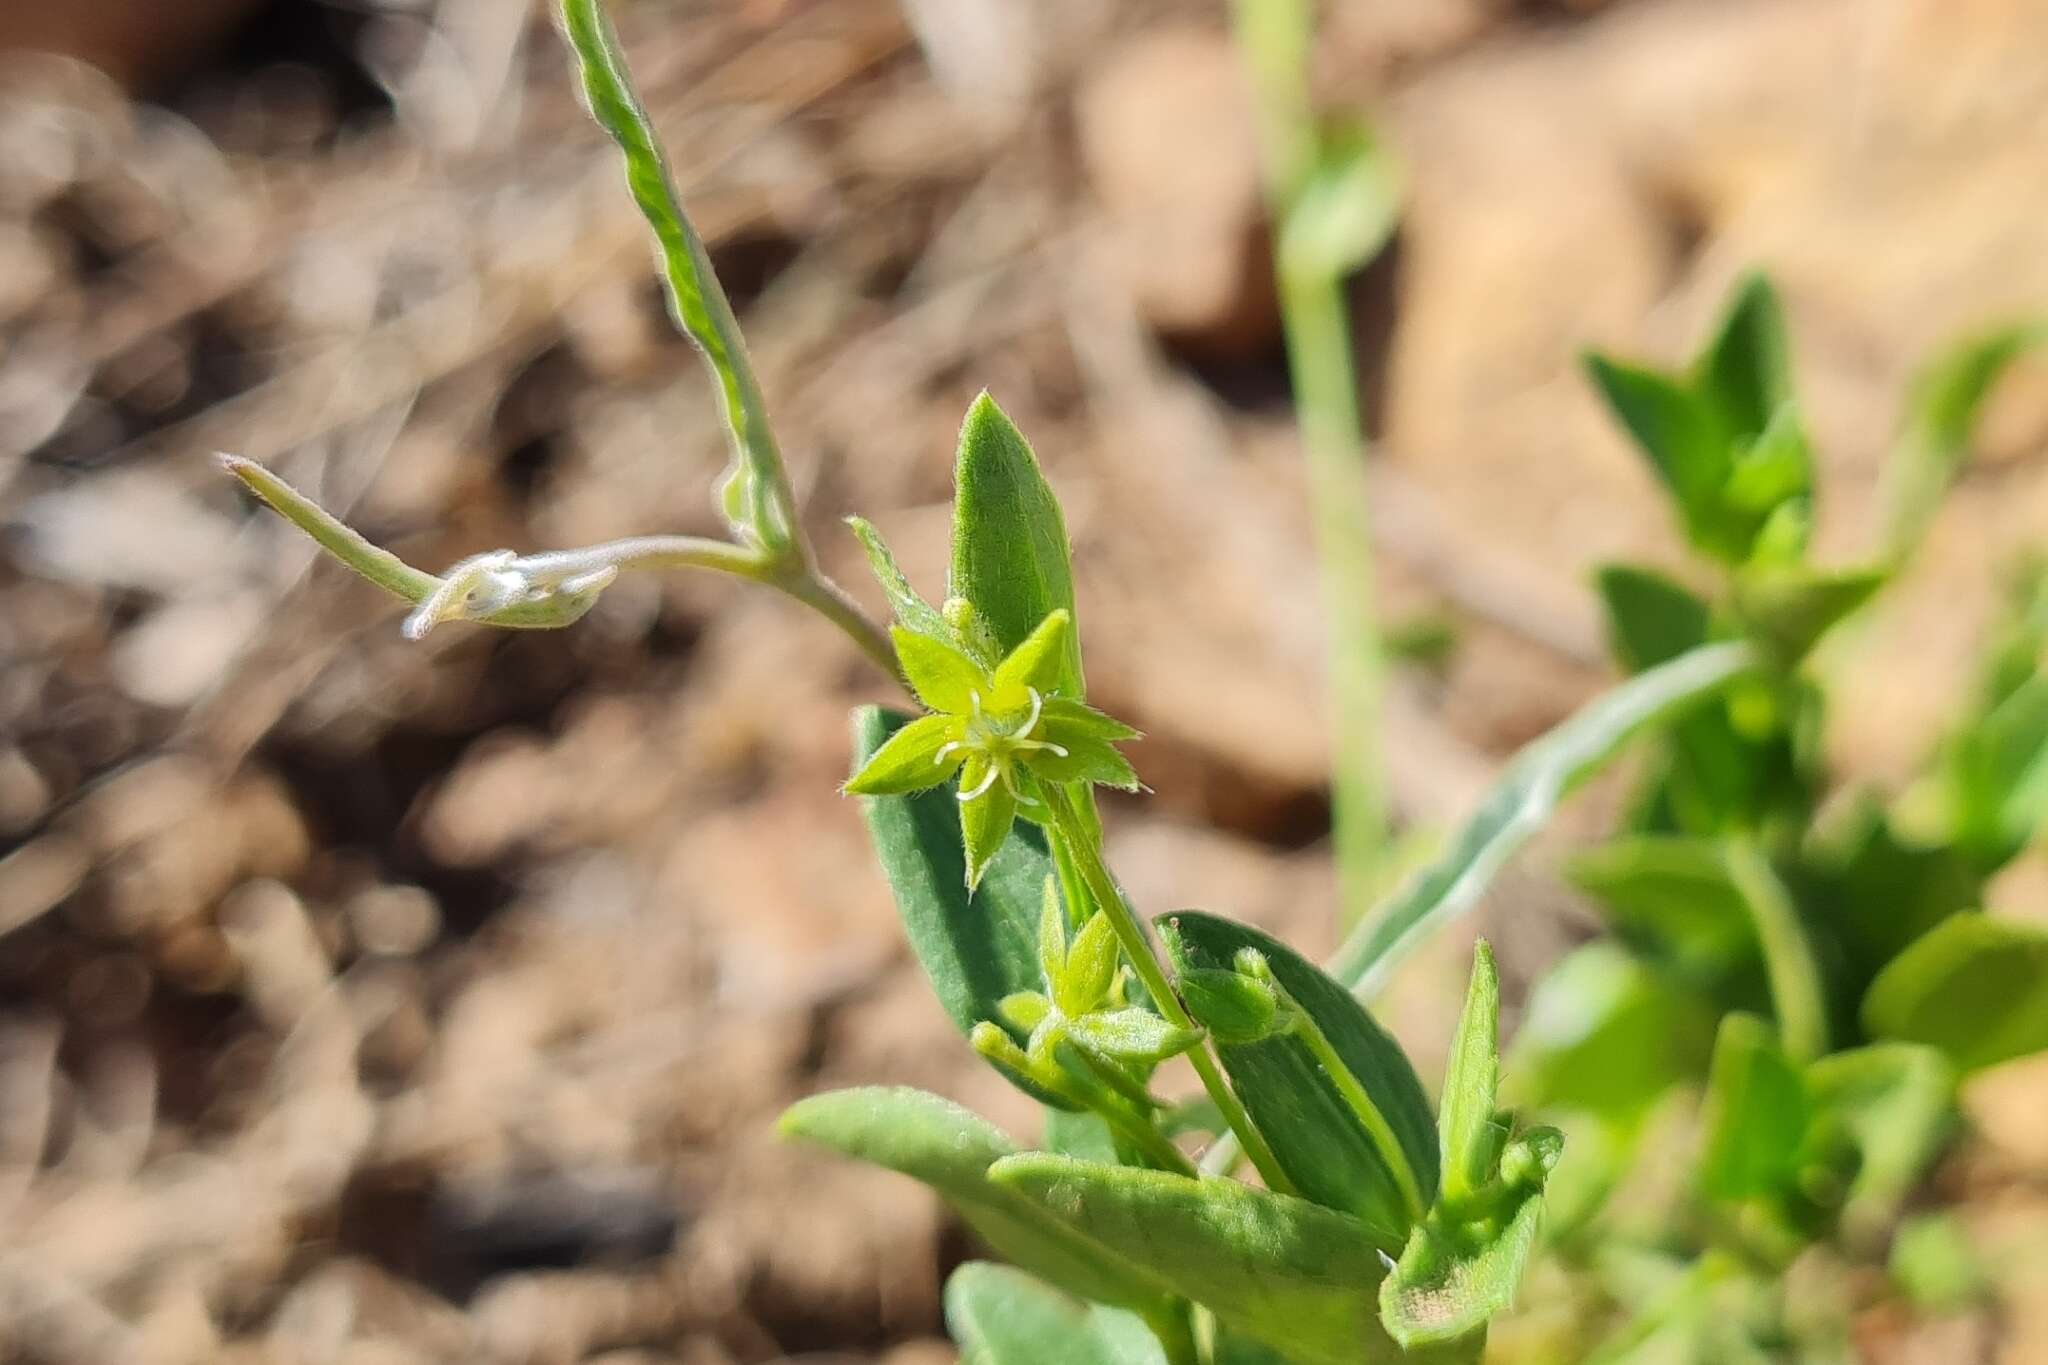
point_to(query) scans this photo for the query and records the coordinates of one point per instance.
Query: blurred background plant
(343, 1015)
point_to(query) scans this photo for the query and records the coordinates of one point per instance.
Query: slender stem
(1275, 37)
(1087, 853)
(829, 600)
(1326, 401)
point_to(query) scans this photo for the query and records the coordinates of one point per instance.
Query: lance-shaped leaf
(912, 612)
(1465, 1116)
(1002, 1316)
(1757, 1115)
(1974, 987)
(1519, 805)
(1895, 1104)
(1298, 1277)
(1011, 559)
(976, 947)
(1607, 1034)
(1745, 369)
(755, 494)
(1334, 1153)
(1464, 1264)
(952, 1150)
(1672, 899)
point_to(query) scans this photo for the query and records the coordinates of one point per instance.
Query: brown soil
(372, 1002)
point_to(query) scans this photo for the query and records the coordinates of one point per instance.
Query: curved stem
(1068, 826)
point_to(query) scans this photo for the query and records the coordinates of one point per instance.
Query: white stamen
(1037, 707)
(945, 751)
(988, 779)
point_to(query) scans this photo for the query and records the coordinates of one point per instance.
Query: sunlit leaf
(1974, 987)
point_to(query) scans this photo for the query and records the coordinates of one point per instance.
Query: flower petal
(943, 678)
(1034, 664)
(910, 760)
(1064, 717)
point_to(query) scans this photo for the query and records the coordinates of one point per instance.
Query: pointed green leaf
(1091, 965)
(1460, 1269)
(912, 612)
(909, 761)
(1344, 211)
(1520, 804)
(1757, 1115)
(755, 494)
(952, 1149)
(1940, 421)
(1131, 1035)
(1024, 1011)
(1974, 987)
(985, 820)
(1010, 553)
(943, 678)
(1895, 1103)
(1052, 940)
(1745, 370)
(1789, 609)
(1326, 1147)
(1683, 437)
(1002, 1316)
(1466, 1112)
(1606, 1034)
(1672, 898)
(1651, 619)
(1298, 1277)
(1038, 664)
(975, 949)
(1877, 892)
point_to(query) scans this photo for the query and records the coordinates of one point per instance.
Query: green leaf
(1322, 1141)
(1131, 1035)
(912, 612)
(1757, 1115)
(1940, 421)
(1091, 966)
(1684, 439)
(1520, 804)
(1344, 211)
(1996, 772)
(1895, 1104)
(952, 1149)
(1010, 552)
(1745, 370)
(943, 678)
(1461, 1267)
(1001, 1316)
(755, 493)
(1298, 1277)
(1974, 987)
(909, 760)
(1606, 1034)
(1651, 619)
(1672, 898)
(976, 948)
(1465, 1114)
(1876, 892)
(1772, 471)
(1788, 609)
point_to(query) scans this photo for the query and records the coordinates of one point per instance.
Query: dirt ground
(371, 1002)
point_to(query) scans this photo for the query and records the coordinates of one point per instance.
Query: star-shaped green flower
(1002, 731)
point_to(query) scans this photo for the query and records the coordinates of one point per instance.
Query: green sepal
(912, 612)
(943, 678)
(985, 820)
(1131, 1035)
(910, 760)
(1091, 966)
(1234, 1007)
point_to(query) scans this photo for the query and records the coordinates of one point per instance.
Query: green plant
(1334, 198)
(1384, 1226)
(1816, 959)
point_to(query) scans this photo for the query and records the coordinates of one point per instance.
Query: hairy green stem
(1069, 827)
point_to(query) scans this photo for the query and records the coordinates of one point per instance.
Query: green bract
(1001, 730)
